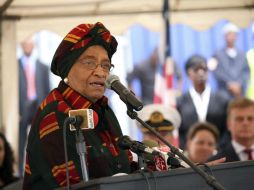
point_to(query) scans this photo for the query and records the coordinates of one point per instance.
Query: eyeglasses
(91, 64)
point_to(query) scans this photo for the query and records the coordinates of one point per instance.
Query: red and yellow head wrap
(76, 42)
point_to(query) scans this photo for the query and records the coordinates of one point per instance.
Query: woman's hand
(216, 162)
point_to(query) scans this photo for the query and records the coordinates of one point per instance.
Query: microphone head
(124, 142)
(79, 121)
(110, 79)
(148, 157)
(89, 118)
(173, 162)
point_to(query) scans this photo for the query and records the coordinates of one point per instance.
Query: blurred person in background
(250, 58)
(202, 140)
(163, 119)
(231, 70)
(145, 72)
(33, 88)
(250, 89)
(200, 102)
(240, 123)
(6, 163)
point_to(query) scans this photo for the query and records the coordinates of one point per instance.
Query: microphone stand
(81, 150)
(210, 180)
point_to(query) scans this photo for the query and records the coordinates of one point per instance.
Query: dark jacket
(229, 152)
(216, 114)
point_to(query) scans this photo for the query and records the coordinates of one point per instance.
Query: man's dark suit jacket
(229, 152)
(41, 83)
(216, 114)
(27, 108)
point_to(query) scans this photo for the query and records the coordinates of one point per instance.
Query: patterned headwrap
(76, 42)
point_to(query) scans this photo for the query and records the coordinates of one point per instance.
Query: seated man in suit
(200, 103)
(241, 126)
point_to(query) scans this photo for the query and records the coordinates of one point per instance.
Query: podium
(233, 176)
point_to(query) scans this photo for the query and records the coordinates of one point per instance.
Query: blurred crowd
(213, 123)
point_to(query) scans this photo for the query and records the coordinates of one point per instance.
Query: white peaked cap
(169, 113)
(229, 27)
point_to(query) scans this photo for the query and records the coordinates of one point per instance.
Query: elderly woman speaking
(83, 61)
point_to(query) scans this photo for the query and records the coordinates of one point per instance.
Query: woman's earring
(66, 80)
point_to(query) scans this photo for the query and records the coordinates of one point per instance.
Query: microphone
(174, 162)
(85, 118)
(158, 162)
(165, 160)
(125, 142)
(127, 96)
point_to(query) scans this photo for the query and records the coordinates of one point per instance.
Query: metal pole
(166, 17)
(81, 149)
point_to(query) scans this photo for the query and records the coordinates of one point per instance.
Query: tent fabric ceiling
(61, 15)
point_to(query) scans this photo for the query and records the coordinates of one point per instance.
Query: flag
(163, 89)
(164, 76)
(163, 86)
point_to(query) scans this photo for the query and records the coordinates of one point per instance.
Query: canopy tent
(21, 18)
(60, 15)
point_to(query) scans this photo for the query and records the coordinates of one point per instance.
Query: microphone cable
(147, 180)
(143, 173)
(155, 180)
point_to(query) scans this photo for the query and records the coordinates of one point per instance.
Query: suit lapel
(211, 105)
(231, 154)
(191, 104)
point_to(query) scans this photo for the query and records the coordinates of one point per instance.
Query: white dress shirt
(28, 60)
(201, 102)
(239, 149)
